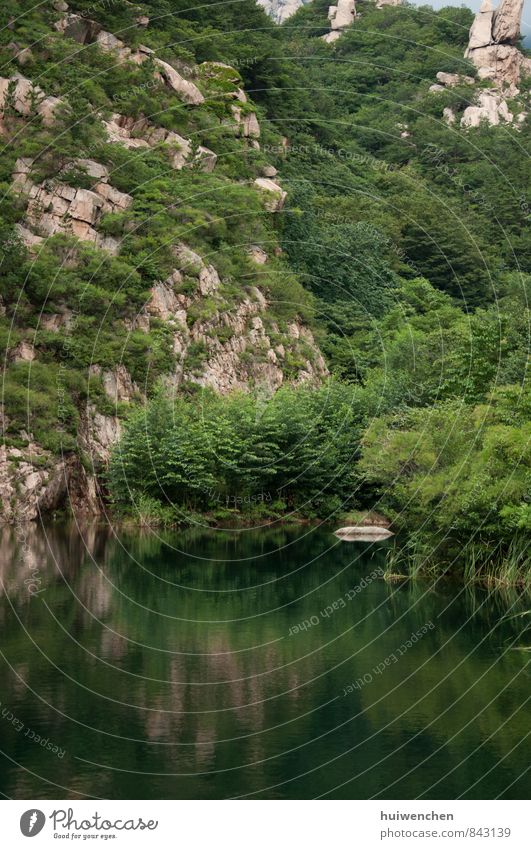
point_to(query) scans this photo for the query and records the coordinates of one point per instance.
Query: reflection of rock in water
(32, 556)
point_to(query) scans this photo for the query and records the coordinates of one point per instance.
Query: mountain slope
(198, 215)
(138, 245)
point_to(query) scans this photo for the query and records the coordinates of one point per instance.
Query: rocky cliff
(215, 332)
(492, 49)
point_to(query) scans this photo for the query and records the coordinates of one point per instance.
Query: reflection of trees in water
(201, 682)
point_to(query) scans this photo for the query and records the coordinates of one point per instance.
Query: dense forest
(399, 254)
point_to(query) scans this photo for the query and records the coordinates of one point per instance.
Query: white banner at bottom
(266, 824)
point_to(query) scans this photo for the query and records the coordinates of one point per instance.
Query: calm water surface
(176, 666)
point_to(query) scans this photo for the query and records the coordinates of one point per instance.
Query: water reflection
(203, 664)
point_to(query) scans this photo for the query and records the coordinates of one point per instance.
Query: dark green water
(166, 669)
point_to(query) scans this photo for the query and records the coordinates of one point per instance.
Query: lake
(259, 663)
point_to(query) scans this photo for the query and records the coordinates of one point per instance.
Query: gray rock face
(451, 80)
(493, 35)
(118, 385)
(56, 207)
(27, 99)
(481, 29)
(97, 435)
(281, 10)
(506, 23)
(342, 15)
(33, 481)
(186, 89)
(139, 132)
(490, 108)
(503, 64)
(275, 196)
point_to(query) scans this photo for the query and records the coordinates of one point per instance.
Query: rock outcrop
(218, 339)
(55, 207)
(340, 16)
(184, 88)
(489, 108)
(86, 31)
(97, 434)
(452, 80)
(274, 195)
(27, 99)
(33, 482)
(492, 49)
(507, 21)
(140, 133)
(491, 46)
(281, 10)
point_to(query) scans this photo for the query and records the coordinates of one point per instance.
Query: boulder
(449, 115)
(56, 207)
(251, 127)
(47, 109)
(54, 322)
(86, 206)
(108, 42)
(94, 169)
(330, 37)
(363, 533)
(24, 94)
(451, 80)
(257, 254)
(187, 90)
(248, 126)
(23, 352)
(181, 148)
(118, 201)
(82, 30)
(28, 238)
(275, 194)
(280, 10)
(490, 108)
(500, 63)
(491, 46)
(205, 159)
(28, 98)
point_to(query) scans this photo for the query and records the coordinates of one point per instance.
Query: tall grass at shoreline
(476, 563)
